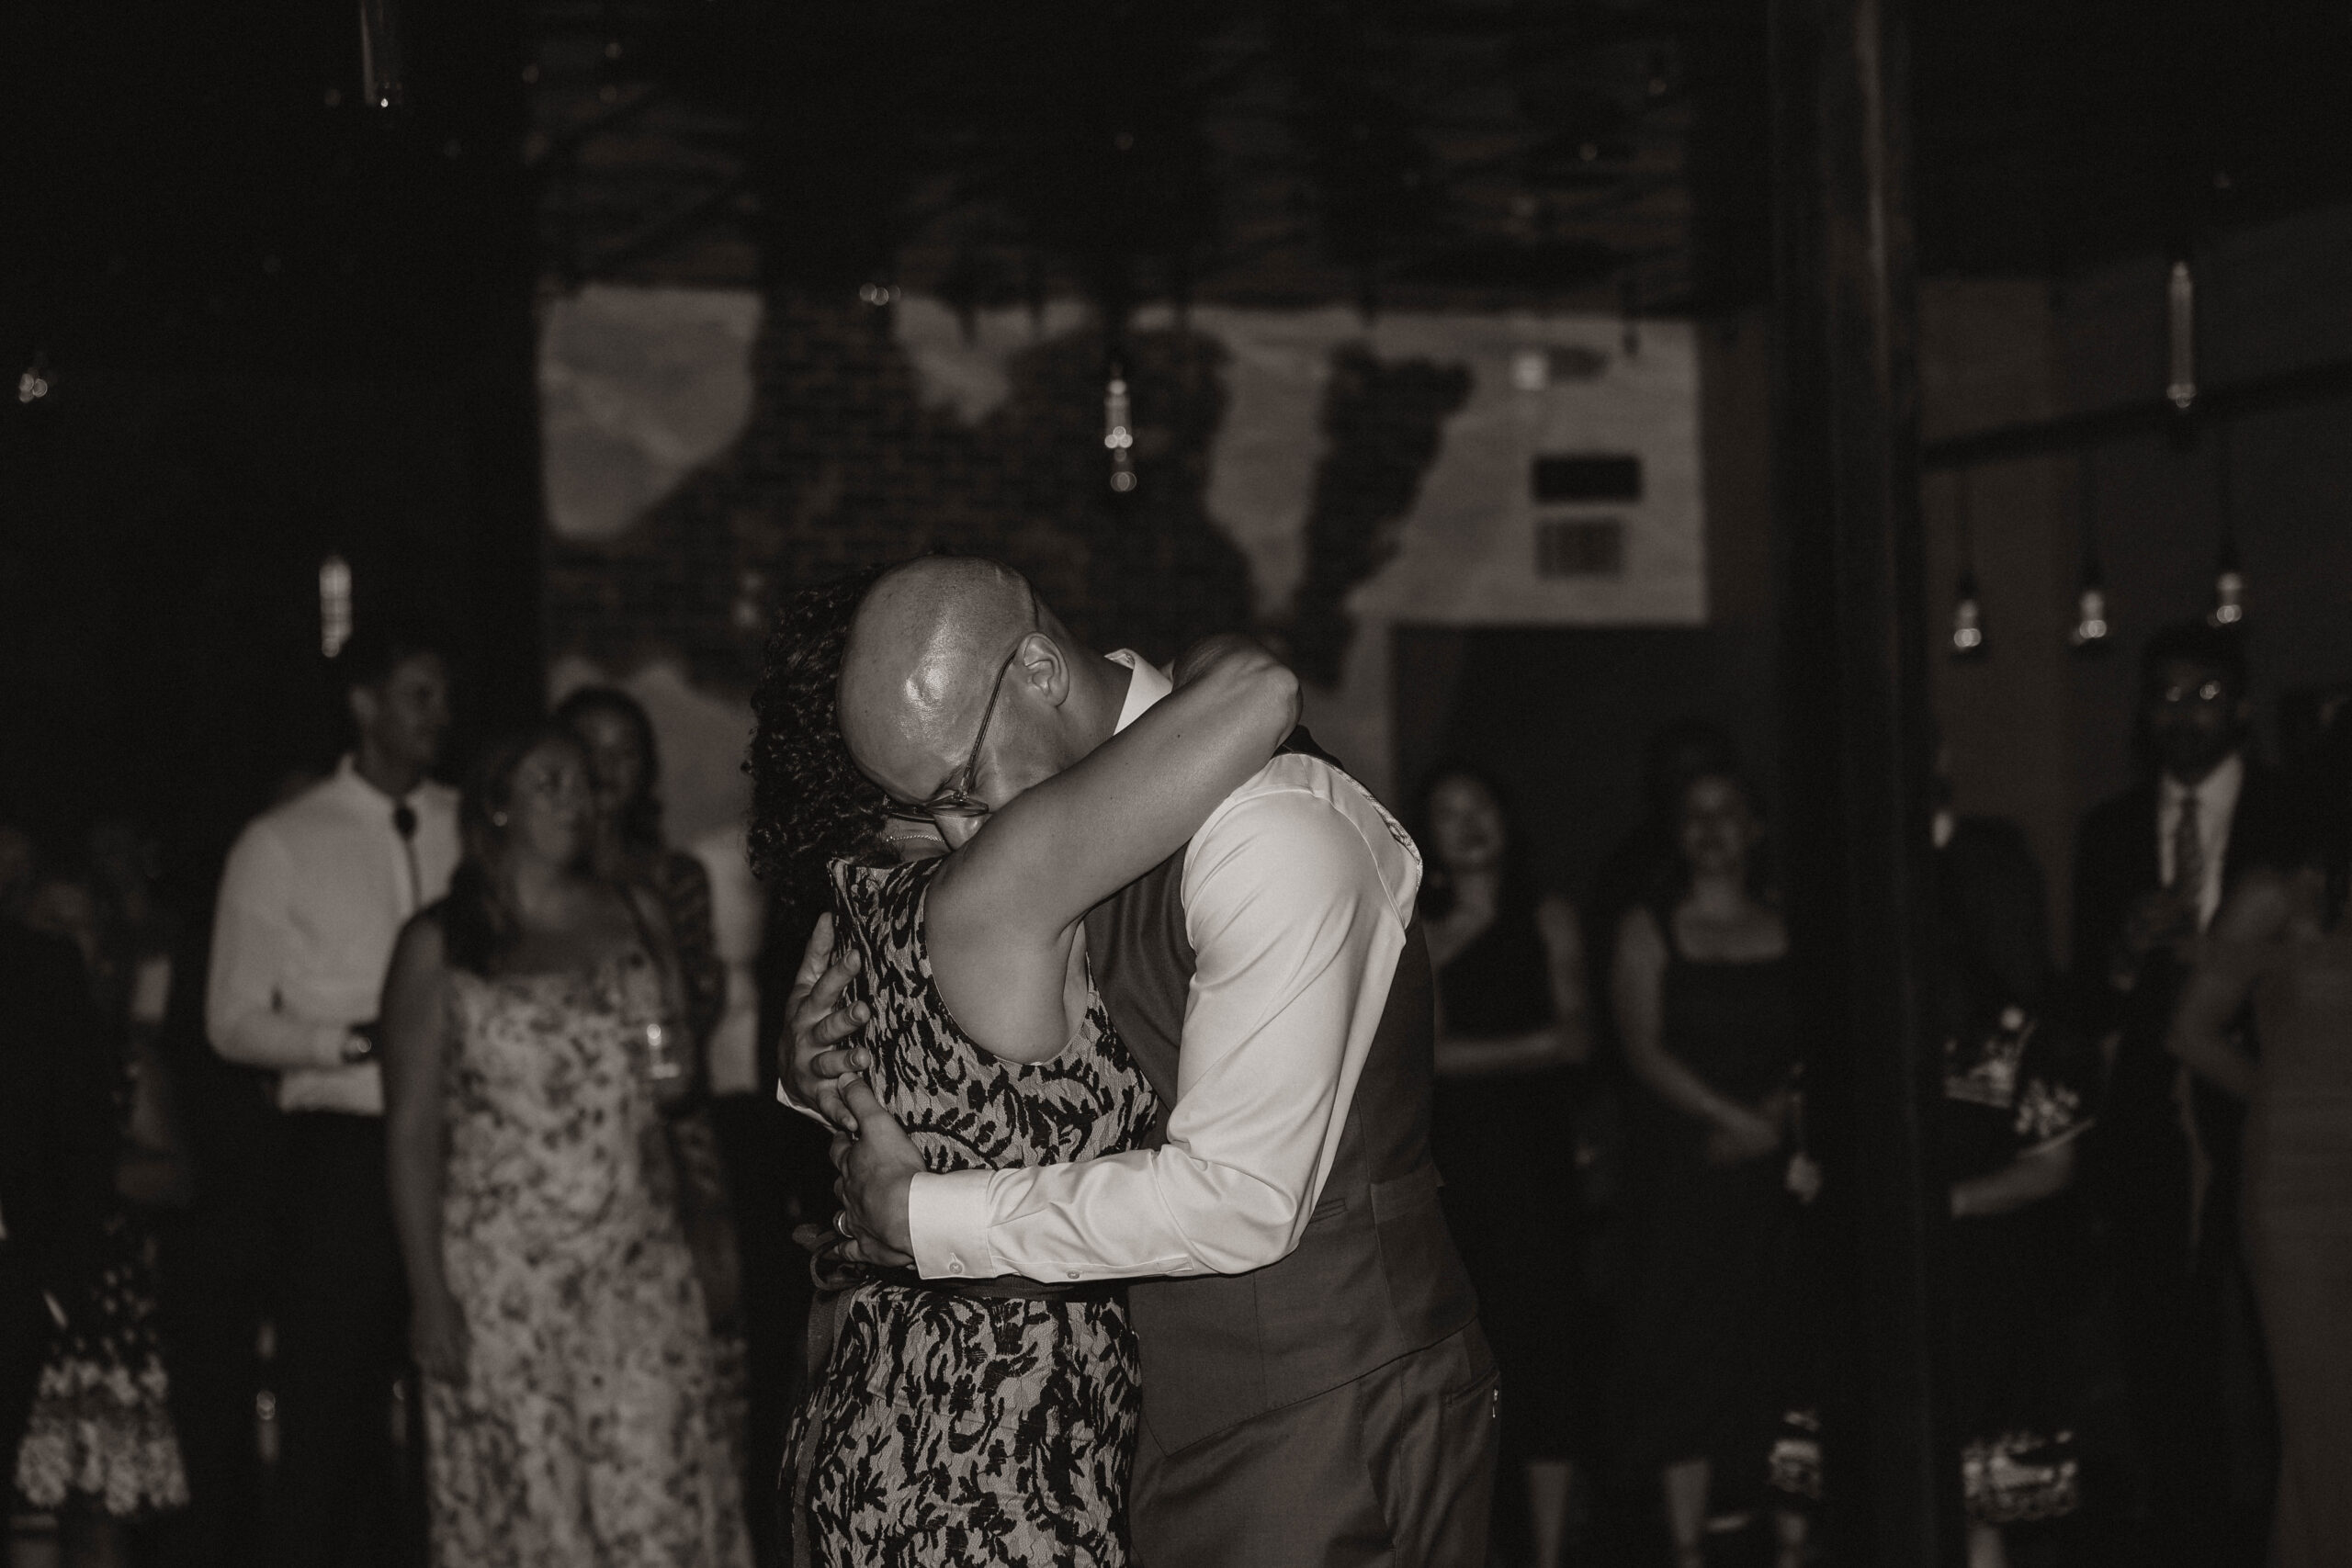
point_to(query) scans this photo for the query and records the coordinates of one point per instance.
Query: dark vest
(1376, 1276)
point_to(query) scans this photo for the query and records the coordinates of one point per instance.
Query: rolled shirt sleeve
(253, 937)
(1298, 895)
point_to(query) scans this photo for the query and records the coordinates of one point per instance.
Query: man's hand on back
(821, 1067)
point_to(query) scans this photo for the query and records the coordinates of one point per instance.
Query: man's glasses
(957, 798)
(2204, 694)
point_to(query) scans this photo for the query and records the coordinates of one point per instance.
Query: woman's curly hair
(809, 804)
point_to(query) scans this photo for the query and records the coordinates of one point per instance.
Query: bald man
(1316, 1388)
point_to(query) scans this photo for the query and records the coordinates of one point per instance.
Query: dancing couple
(1127, 1028)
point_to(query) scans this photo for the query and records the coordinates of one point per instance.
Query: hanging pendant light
(2228, 581)
(2229, 591)
(1968, 607)
(36, 382)
(1118, 430)
(2180, 323)
(2091, 631)
(1968, 620)
(335, 604)
(383, 73)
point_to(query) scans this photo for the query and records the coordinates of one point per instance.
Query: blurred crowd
(289, 1183)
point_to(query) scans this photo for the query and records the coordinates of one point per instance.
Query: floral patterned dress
(948, 1428)
(588, 1429)
(100, 1436)
(2015, 1085)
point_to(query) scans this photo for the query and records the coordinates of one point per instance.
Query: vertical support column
(1857, 733)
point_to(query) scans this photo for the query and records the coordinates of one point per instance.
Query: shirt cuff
(947, 1220)
(786, 1098)
(331, 1047)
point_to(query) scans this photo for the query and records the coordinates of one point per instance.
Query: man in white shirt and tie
(311, 900)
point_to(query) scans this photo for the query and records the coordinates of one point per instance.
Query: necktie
(404, 824)
(2189, 856)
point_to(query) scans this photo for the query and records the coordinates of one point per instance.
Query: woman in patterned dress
(530, 1020)
(99, 1450)
(2016, 1099)
(623, 774)
(994, 1423)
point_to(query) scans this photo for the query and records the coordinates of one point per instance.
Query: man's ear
(1042, 664)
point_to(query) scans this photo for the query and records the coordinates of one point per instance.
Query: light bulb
(2090, 617)
(335, 604)
(2180, 300)
(2229, 597)
(1967, 622)
(1118, 434)
(382, 70)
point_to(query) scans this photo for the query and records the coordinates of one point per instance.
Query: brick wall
(843, 461)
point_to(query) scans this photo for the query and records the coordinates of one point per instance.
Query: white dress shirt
(1297, 892)
(312, 901)
(2217, 806)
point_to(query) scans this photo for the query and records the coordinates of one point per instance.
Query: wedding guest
(2282, 942)
(625, 765)
(1675, 754)
(99, 1450)
(1511, 1032)
(310, 903)
(2018, 1084)
(625, 773)
(56, 1156)
(1703, 1007)
(2152, 867)
(535, 1031)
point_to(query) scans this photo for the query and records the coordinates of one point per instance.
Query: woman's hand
(438, 1338)
(1740, 1135)
(1226, 653)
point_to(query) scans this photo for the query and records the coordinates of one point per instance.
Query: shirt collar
(2216, 793)
(354, 785)
(1147, 688)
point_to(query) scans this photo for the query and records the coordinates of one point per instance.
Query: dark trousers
(218, 1270)
(214, 1288)
(1395, 1470)
(755, 1136)
(2201, 1413)
(342, 1344)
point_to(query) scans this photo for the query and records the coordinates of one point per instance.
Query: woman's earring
(498, 819)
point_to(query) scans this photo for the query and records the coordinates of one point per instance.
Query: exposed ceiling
(207, 183)
(1482, 151)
